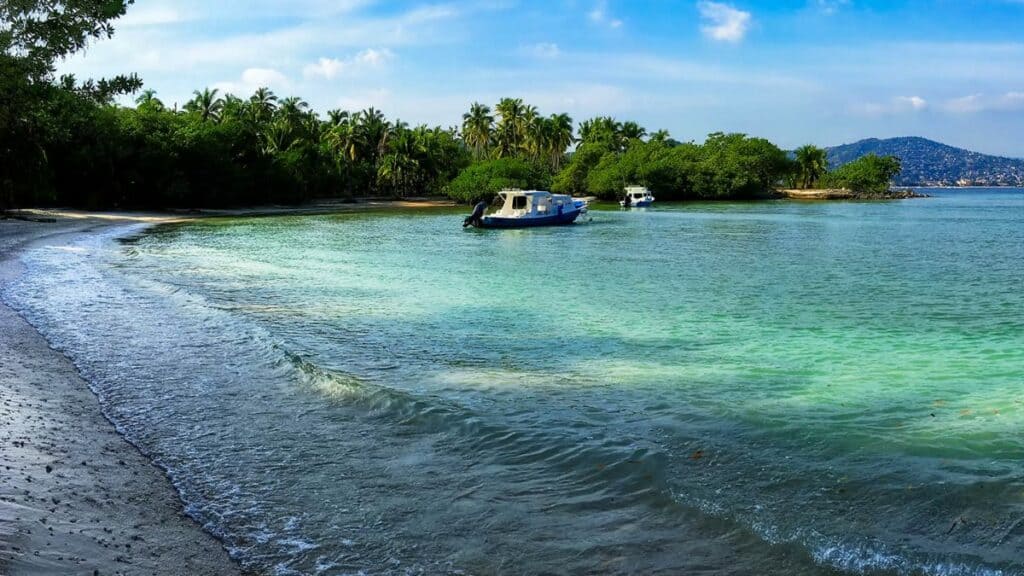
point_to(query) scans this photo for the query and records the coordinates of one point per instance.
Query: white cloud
(378, 98)
(324, 67)
(545, 50)
(830, 7)
(600, 15)
(642, 66)
(264, 77)
(968, 104)
(329, 68)
(1012, 100)
(371, 57)
(973, 103)
(151, 15)
(914, 102)
(965, 104)
(723, 22)
(897, 105)
(253, 78)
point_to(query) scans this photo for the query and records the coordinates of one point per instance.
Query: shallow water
(775, 387)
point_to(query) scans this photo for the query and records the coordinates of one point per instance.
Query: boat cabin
(638, 196)
(532, 203)
(637, 193)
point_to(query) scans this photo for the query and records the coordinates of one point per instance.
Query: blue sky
(799, 71)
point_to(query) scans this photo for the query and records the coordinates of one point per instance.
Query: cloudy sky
(798, 71)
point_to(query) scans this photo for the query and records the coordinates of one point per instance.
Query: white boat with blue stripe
(526, 209)
(637, 197)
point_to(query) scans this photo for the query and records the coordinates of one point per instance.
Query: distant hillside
(929, 163)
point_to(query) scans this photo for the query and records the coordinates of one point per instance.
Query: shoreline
(76, 496)
(844, 194)
(323, 207)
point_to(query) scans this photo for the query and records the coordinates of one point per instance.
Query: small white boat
(527, 208)
(637, 197)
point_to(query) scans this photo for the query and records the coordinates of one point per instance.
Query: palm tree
(537, 131)
(632, 131)
(293, 107)
(398, 167)
(207, 104)
(336, 117)
(812, 163)
(603, 130)
(478, 128)
(373, 132)
(559, 138)
(234, 108)
(508, 135)
(148, 100)
(264, 103)
(278, 136)
(342, 139)
(661, 136)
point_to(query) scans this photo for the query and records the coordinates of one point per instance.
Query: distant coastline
(846, 194)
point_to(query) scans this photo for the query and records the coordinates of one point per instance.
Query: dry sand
(76, 497)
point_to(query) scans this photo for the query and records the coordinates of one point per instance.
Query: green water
(728, 388)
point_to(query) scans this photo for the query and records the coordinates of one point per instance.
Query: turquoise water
(773, 387)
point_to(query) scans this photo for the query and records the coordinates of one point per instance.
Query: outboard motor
(478, 213)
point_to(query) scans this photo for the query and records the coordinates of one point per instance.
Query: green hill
(930, 163)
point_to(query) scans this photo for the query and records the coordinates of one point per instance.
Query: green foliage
(573, 178)
(870, 174)
(483, 180)
(725, 166)
(36, 34)
(737, 166)
(811, 165)
(62, 142)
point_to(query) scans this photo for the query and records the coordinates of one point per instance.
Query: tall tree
(337, 117)
(632, 131)
(264, 104)
(206, 104)
(478, 128)
(560, 139)
(811, 164)
(509, 132)
(34, 35)
(147, 100)
(603, 130)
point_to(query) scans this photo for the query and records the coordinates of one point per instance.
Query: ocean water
(771, 387)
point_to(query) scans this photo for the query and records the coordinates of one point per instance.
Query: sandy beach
(75, 496)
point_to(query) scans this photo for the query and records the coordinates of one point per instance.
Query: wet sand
(75, 496)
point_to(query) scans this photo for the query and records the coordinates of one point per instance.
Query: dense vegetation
(868, 174)
(65, 142)
(926, 163)
(725, 166)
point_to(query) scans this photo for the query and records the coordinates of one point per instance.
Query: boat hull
(533, 222)
(640, 204)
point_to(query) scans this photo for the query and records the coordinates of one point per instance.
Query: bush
(725, 166)
(483, 180)
(870, 174)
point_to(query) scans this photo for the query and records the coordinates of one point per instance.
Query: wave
(248, 429)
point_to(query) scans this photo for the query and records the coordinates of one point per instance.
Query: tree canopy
(67, 142)
(870, 174)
